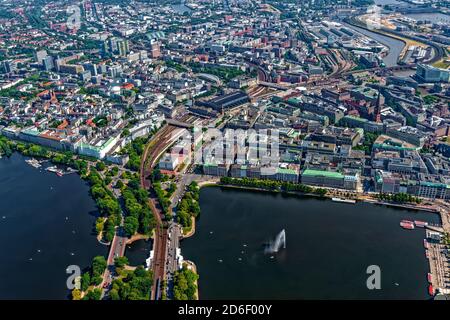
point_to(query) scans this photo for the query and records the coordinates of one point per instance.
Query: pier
(437, 252)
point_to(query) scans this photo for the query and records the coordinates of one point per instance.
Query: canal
(395, 46)
(329, 247)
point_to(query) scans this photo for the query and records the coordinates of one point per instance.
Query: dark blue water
(329, 246)
(40, 211)
(138, 252)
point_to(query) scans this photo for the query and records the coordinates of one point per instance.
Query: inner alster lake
(329, 247)
(46, 224)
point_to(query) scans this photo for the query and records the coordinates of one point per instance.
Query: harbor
(436, 253)
(59, 171)
(438, 258)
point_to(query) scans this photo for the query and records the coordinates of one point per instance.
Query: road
(175, 234)
(117, 249)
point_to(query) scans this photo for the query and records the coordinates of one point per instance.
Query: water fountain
(280, 241)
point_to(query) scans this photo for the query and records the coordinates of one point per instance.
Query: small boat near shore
(425, 243)
(429, 277)
(420, 224)
(343, 200)
(430, 290)
(54, 169)
(34, 163)
(406, 224)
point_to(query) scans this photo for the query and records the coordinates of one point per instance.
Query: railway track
(152, 149)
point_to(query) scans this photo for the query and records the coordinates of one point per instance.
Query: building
(9, 66)
(330, 179)
(122, 47)
(169, 162)
(408, 134)
(40, 55)
(155, 51)
(225, 102)
(434, 190)
(427, 73)
(287, 173)
(98, 149)
(48, 63)
(238, 171)
(212, 169)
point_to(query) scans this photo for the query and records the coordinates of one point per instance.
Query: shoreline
(355, 22)
(95, 245)
(137, 237)
(191, 232)
(374, 201)
(193, 267)
(298, 194)
(358, 199)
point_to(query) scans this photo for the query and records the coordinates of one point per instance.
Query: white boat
(344, 200)
(52, 169)
(34, 163)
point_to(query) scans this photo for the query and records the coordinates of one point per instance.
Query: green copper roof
(435, 185)
(328, 174)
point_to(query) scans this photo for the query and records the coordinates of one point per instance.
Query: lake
(46, 224)
(329, 247)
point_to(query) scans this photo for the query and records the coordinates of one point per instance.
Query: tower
(377, 111)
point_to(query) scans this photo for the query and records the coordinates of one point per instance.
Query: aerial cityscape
(217, 150)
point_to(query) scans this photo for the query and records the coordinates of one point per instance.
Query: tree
(133, 285)
(114, 294)
(141, 195)
(120, 262)
(98, 192)
(125, 133)
(119, 184)
(96, 280)
(76, 294)
(184, 284)
(98, 265)
(131, 225)
(115, 170)
(85, 281)
(94, 294)
(108, 180)
(156, 175)
(99, 224)
(110, 230)
(100, 166)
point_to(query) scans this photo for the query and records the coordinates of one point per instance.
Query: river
(46, 224)
(433, 17)
(386, 2)
(329, 247)
(395, 46)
